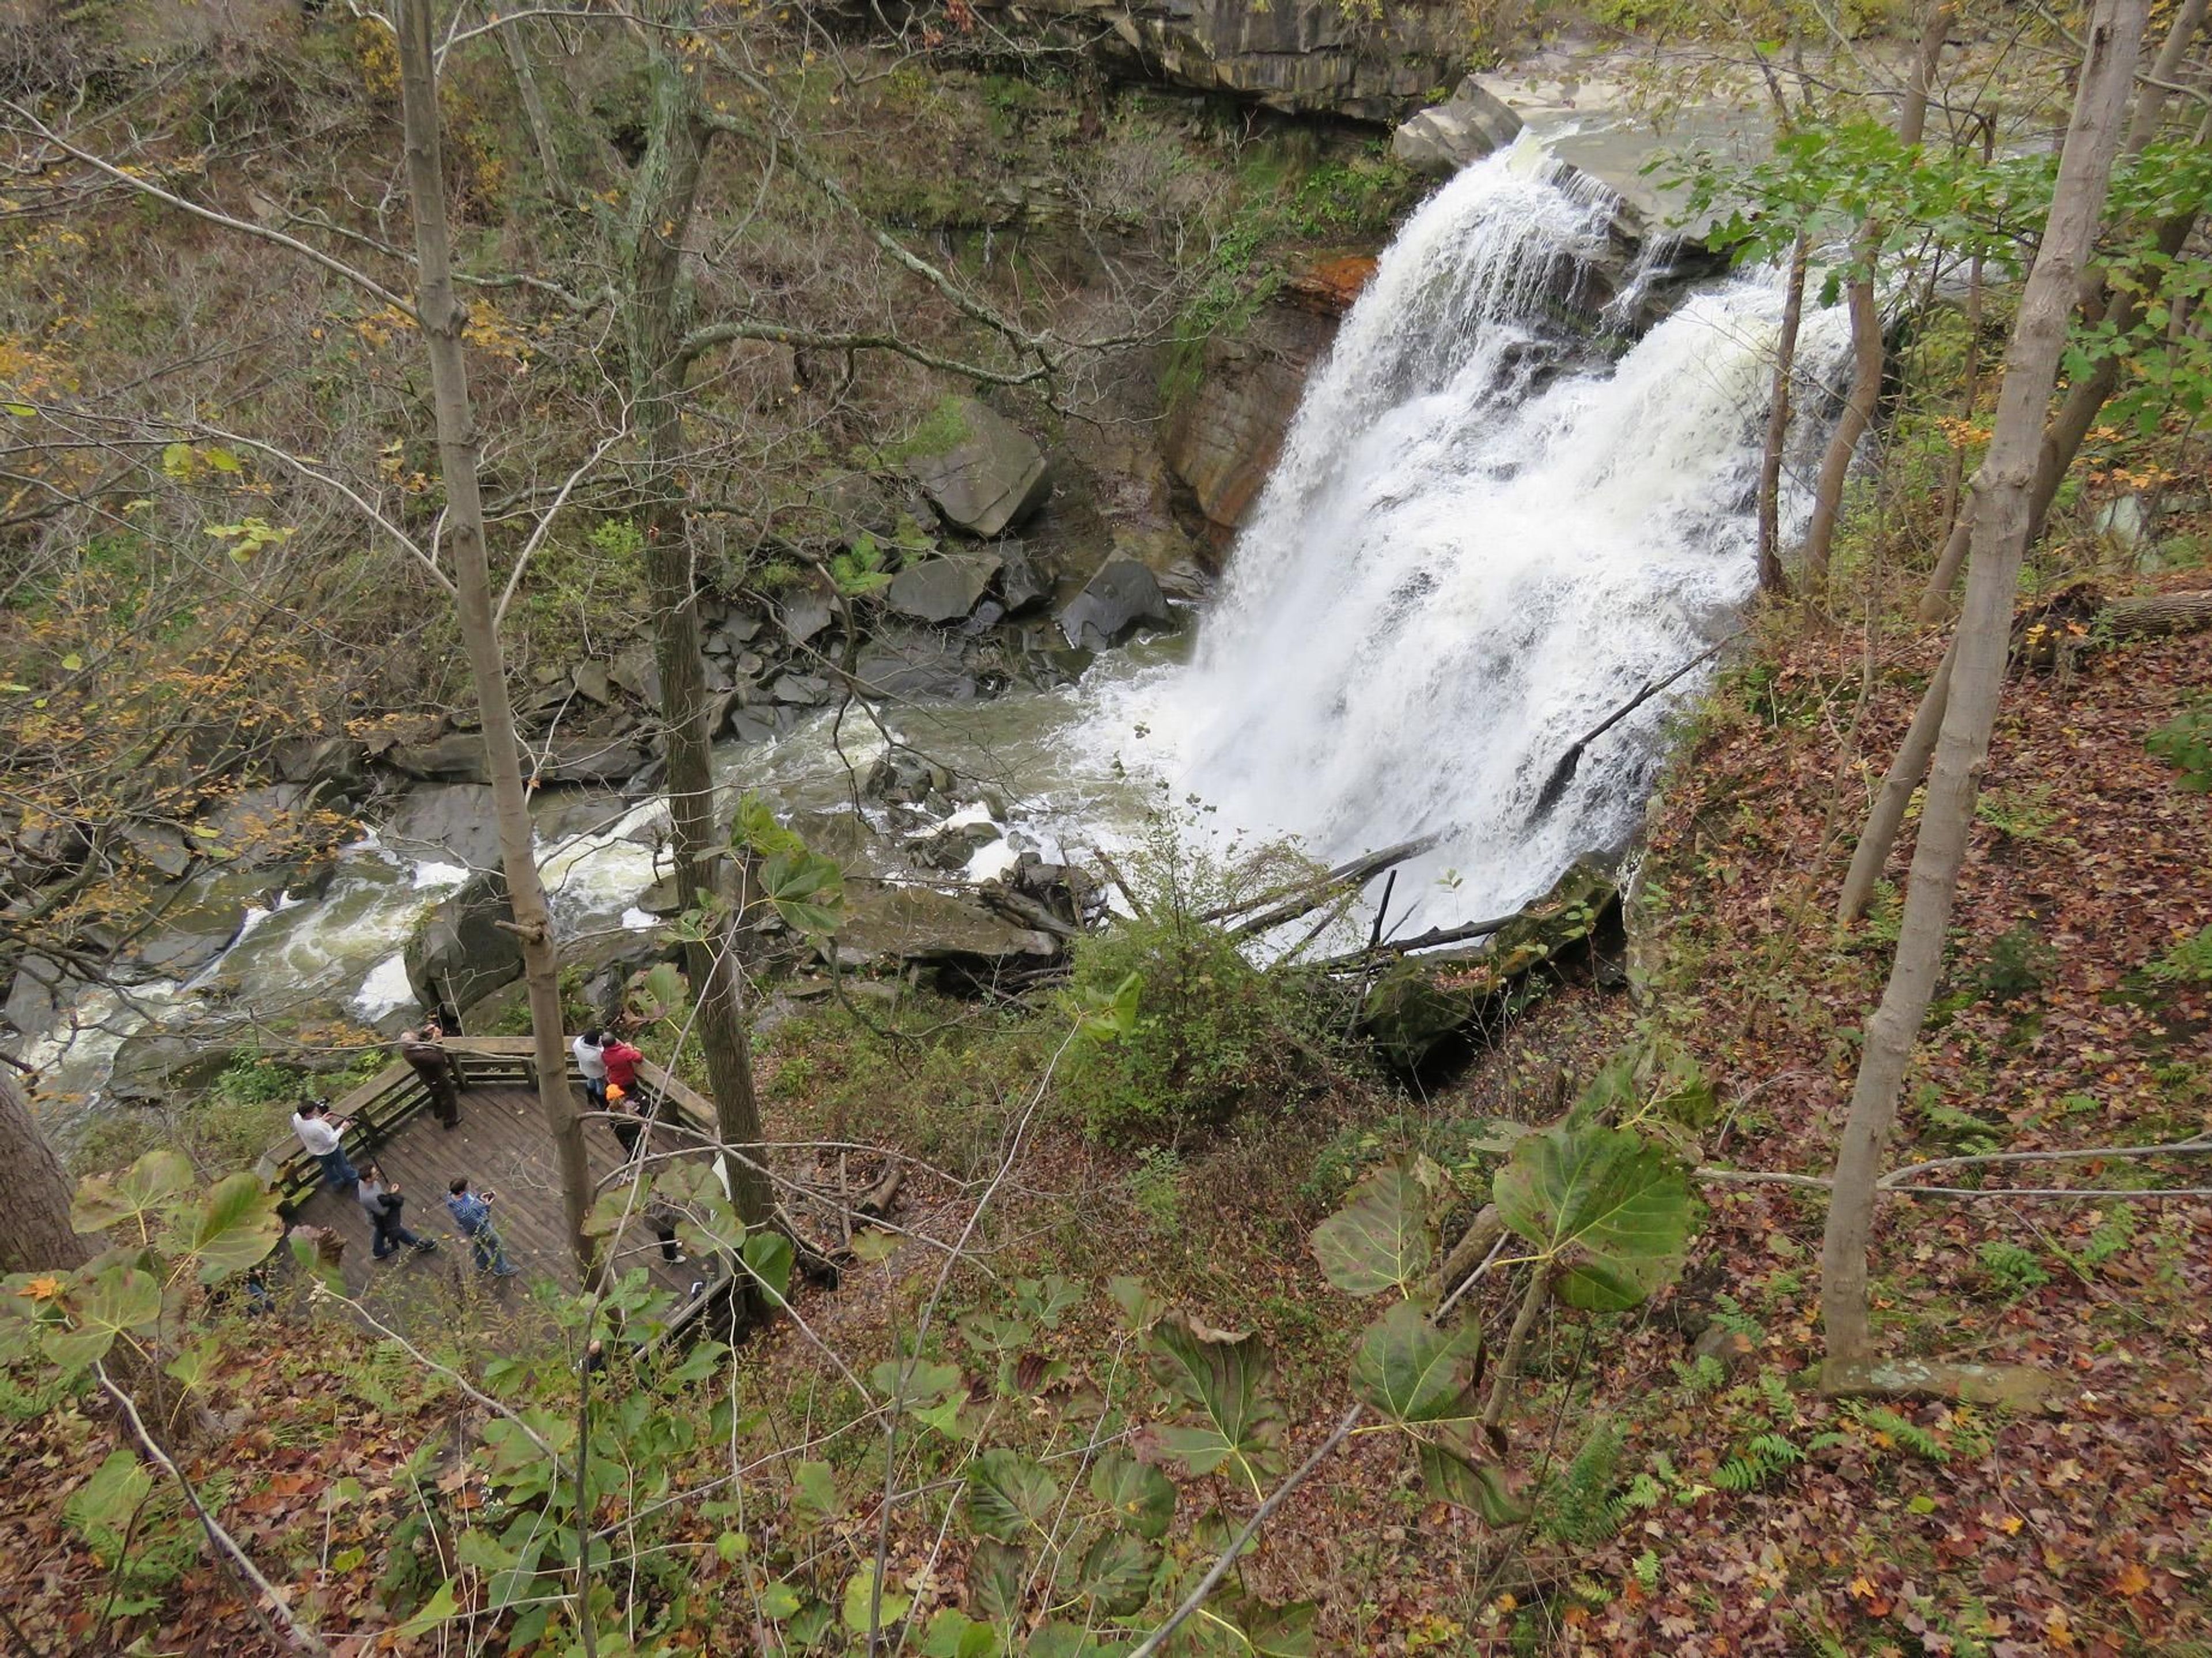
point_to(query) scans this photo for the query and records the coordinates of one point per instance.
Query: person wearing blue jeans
(380, 1200)
(472, 1213)
(321, 1134)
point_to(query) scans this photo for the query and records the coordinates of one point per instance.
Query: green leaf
(441, 1607)
(1380, 1240)
(72, 663)
(817, 1487)
(1108, 1015)
(754, 829)
(20, 410)
(1117, 1574)
(1455, 1475)
(236, 1227)
(1609, 1212)
(666, 993)
(997, 1574)
(808, 891)
(1221, 1377)
(1414, 1372)
(779, 1601)
(770, 1256)
(1285, 1631)
(954, 1634)
(860, 1599)
(114, 1493)
(1140, 1496)
(1140, 1308)
(102, 1203)
(1009, 1496)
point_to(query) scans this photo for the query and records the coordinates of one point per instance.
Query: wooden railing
(379, 1108)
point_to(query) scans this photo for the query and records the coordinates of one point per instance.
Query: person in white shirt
(322, 1135)
(590, 1060)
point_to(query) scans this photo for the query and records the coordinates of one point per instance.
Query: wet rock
(339, 763)
(198, 920)
(903, 777)
(1022, 584)
(445, 823)
(593, 760)
(162, 848)
(456, 757)
(636, 671)
(1185, 579)
(260, 827)
(986, 474)
(593, 683)
(752, 725)
(885, 925)
(914, 667)
(1470, 125)
(943, 589)
(805, 615)
(951, 847)
(1330, 286)
(155, 1066)
(463, 952)
(1121, 597)
(39, 990)
(803, 690)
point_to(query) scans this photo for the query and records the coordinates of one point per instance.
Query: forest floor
(1687, 1505)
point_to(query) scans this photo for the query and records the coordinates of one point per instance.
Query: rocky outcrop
(1302, 57)
(1123, 596)
(1468, 125)
(885, 925)
(465, 948)
(445, 823)
(942, 590)
(1224, 433)
(981, 470)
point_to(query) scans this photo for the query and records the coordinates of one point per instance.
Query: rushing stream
(1483, 537)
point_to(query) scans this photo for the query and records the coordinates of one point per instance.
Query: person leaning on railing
(322, 1135)
(424, 1049)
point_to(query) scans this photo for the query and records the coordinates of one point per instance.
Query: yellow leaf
(2133, 1581)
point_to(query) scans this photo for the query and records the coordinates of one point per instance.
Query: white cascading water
(1477, 544)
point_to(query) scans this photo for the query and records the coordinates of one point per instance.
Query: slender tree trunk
(2002, 492)
(663, 194)
(534, 110)
(1771, 579)
(1887, 814)
(1866, 326)
(35, 1192)
(442, 318)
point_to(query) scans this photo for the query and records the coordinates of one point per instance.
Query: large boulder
(915, 666)
(197, 920)
(1472, 123)
(1302, 57)
(445, 823)
(1120, 598)
(456, 757)
(942, 590)
(262, 828)
(980, 469)
(465, 948)
(885, 925)
(588, 760)
(340, 764)
(41, 988)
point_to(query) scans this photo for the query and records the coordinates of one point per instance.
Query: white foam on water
(386, 990)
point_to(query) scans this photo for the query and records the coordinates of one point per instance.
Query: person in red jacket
(621, 1062)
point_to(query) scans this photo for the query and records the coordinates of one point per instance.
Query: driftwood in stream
(1424, 999)
(1287, 904)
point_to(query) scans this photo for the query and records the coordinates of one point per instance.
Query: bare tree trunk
(1771, 579)
(1866, 326)
(534, 113)
(35, 1192)
(442, 318)
(1904, 776)
(663, 194)
(2002, 493)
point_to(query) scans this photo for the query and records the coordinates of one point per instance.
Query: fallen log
(1304, 900)
(2160, 615)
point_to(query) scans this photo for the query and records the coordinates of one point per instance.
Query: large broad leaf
(754, 829)
(769, 1255)
(237, 1226)
(1009, 1496)
(1220, 1376)
(1267, 1632)
(954, 1634)
(113, 1494)
(1455, 1475)
(1412, 1372)
(1117, 1574)
(121, 1299)
(807, 890)
(1609, 1212)
(102, 1203)
(1141, 1497)
(864, 1609)
(1380, 1240)
(997, 1576)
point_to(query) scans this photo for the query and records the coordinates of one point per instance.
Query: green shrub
(2189, 962)
(1211, 1032)
(2185, 742)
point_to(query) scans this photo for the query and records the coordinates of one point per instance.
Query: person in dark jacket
(380, 1200)
(424, 1049)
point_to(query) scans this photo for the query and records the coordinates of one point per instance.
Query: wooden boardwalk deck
(501, 1145)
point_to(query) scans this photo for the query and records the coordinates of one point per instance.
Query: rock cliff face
(1302, 57)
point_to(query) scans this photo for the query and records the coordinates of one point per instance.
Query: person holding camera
(472, 1213)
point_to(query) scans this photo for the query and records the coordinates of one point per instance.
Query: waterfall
(1481, 538)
